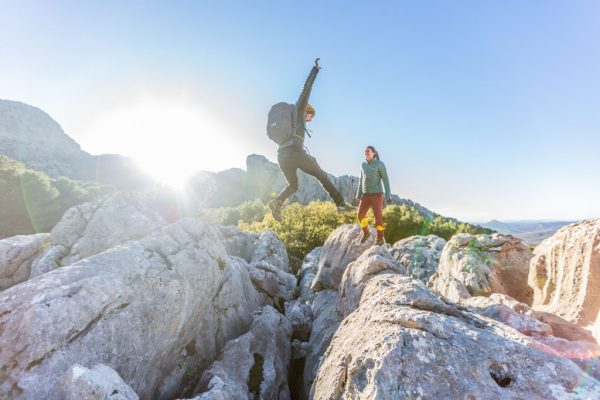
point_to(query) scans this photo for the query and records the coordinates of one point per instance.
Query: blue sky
(480, 110)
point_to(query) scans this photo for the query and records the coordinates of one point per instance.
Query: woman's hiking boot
(365, 236)
(380, 241)
(275, 206)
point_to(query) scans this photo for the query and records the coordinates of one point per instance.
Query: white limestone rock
(17, 253)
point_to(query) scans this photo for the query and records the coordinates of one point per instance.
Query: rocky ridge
(191, 310)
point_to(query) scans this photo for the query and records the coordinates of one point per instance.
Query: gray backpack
(280, 124)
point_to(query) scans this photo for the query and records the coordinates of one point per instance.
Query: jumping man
(292, 156)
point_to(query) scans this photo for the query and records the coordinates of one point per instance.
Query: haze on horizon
(480, 110)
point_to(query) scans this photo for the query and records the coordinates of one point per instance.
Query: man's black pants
(293, 158)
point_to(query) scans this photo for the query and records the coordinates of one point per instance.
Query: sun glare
(170, 138)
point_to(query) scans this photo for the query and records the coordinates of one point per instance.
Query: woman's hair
(374, 151)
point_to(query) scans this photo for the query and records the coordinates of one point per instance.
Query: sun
(169, 137)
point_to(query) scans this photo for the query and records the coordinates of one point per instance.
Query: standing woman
(370, 192)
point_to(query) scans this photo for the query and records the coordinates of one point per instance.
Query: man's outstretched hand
(317, 64)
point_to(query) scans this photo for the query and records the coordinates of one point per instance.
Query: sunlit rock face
(403, 342)
(565, 273)
(482, 265)
(166, 302)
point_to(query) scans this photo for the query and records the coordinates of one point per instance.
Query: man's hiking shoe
(344, 207)
(380, 241)
(364, 238)
(275, 206)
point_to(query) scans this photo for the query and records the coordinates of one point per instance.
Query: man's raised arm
(303, 99)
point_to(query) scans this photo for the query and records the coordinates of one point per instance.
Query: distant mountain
(530, 231)
(498, 226)
(31, 136)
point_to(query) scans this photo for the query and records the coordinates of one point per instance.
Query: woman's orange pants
(374, 201)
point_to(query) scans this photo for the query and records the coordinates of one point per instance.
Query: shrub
(303, 227)
(247, 212)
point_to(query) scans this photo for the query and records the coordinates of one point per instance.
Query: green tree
(303, 227)
(402, 221)
(33, 202)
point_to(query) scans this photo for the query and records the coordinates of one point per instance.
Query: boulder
(564, 329)
(404, 341)
(503, 310)
(91, 228)
(374, 261)
(583, 353)
(254, 365)
(48, 260)
(255, 247)
(340, 249)
(419, 255)
(518, 311)
(269, 248)
(276, 285)
(17, 253)
(300, 316)
(156, 310)
(565, 273)
(306, 274)
(484, 264)
(449, 286)
(99, 383)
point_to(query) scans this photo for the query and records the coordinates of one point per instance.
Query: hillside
(34, 202)
(31, 136)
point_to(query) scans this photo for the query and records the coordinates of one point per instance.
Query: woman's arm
(360, 181)
(386, 181)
